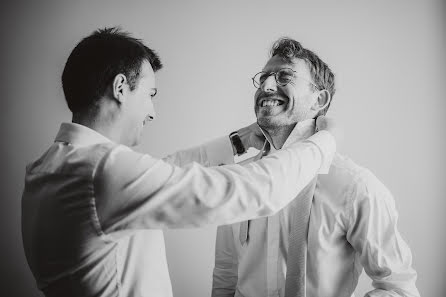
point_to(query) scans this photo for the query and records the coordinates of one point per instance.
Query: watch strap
(237, 143)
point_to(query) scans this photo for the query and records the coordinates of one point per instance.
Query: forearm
(212, 153)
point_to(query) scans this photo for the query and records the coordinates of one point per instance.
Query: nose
(270, 84)
(151, 113)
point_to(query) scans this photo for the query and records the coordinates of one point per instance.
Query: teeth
(270, 102)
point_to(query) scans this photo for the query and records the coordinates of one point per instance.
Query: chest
(327, 226)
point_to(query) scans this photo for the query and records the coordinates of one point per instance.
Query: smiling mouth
(270, 102)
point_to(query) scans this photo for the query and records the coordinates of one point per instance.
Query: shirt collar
(301, 131)
(79, 135)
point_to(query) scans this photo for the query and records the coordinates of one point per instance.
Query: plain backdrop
(388, 57)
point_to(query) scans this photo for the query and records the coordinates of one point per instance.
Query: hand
(252, 136)
(328, 124)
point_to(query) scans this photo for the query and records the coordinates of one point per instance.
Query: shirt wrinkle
(86, 231)
(96, 220)
(335, 261)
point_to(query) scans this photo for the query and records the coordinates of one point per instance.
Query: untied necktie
(244, 226)
(295, 284)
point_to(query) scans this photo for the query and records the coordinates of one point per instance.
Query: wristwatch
(237, 143)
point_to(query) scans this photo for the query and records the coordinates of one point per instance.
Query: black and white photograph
(223, 148)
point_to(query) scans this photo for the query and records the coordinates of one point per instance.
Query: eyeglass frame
(275, 78)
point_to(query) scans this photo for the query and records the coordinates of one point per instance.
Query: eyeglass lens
(283, 77)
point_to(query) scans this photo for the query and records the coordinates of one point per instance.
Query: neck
(279, 135)
(103, 121)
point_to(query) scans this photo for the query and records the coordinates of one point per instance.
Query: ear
(119, 87)
(322, 100)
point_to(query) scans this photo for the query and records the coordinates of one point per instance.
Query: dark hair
(322, 75)
(95, 62)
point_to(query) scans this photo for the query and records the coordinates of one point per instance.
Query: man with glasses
(345, 220)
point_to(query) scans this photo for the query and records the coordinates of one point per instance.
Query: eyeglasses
(282, 76)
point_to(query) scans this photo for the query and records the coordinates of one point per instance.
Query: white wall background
(389, 58)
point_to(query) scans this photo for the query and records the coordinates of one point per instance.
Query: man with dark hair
(93, 209)
(94, 63)
(342, 222)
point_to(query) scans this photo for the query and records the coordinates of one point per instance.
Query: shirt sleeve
(225, 275)
(137, 191)
(373, 233)
(213, 153)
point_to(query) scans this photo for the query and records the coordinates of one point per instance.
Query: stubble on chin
(265, 123)
(275, 125)
(271, 122)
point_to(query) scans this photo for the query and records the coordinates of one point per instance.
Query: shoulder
(344, 169)
(113, 157)
(345, 172)
(352, 181)
(94, 155)
(122, 167)
(362, 186)
(63, 158)
(342, 176)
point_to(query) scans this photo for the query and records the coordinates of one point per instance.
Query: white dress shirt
(353, 225)
(93, 210)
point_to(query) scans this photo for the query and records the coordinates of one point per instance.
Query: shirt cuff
(327, 145)
(219, 151)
